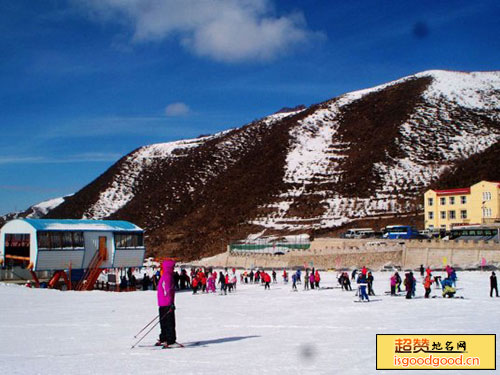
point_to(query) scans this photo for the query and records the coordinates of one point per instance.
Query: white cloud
(177, 109)
(223, 30)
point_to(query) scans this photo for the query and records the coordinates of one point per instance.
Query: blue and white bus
(396, 232)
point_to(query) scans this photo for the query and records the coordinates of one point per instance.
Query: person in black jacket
(146, 281)
(493, 284)
(222, 282)
(369, 280)
(398, 282)
(408, 284)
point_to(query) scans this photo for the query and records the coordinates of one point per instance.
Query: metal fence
(266, 246)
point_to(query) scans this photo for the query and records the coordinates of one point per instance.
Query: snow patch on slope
(121, 191)
(477, 90)
(122, 188)
(430, 141)
(41, 209)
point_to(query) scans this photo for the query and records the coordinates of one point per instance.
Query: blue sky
(84, 82)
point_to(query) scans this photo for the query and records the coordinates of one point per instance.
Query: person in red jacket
(427, 285)
(267, 280)
(194, 284)
(203, 280)
(428, 271)
(317, 279)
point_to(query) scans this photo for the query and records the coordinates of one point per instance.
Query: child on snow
(311, 280)
(427, 285)
(317, 279)
(448, 289)
(211, 284)
(294, 282)
(393, 284)
(362, 285)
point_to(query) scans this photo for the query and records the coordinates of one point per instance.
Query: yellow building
(475, 205)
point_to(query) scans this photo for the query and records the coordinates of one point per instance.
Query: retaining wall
(437, 253)
(336, 253)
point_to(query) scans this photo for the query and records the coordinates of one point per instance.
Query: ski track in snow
(250, 332)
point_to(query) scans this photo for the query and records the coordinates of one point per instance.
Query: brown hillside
(482, 166)
(371, 126)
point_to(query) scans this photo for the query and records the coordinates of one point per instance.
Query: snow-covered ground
(252, 331)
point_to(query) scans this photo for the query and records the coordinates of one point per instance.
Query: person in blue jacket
(448, 289)
(362, 285)
(453, 277)
(294, 282)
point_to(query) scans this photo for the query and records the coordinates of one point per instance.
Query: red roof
(453, 191)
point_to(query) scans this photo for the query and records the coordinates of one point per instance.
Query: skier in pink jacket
(166, 296)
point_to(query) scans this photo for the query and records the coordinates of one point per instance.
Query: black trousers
(167, 324)
(427, 292)
(493, 288)
(370, 290)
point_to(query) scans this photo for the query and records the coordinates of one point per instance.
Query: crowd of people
(207, 280)
(448, 285)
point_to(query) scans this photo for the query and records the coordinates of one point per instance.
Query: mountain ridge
(362, 154)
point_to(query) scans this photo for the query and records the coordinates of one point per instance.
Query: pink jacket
(393, 281)
(166, 288)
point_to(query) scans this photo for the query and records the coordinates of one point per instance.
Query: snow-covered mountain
(360, 155)
(36, 211)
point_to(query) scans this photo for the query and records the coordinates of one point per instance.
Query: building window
(430, 201)
(463, 199)
(451, 214)
(17, 244)
(442, 201)
(128, 240)
(60, 240)
(452, 200)
(486, 196)
(67, 240)
(443, 214)
(463, 214)
(486, 212)
(430, 215)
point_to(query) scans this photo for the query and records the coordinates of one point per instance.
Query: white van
(359, 233)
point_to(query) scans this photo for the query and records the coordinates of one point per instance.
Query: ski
(173, 346)
(458, 297)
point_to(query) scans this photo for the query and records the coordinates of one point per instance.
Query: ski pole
(147, 333)
(146, 326)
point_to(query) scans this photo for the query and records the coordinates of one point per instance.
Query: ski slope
(252, 331)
